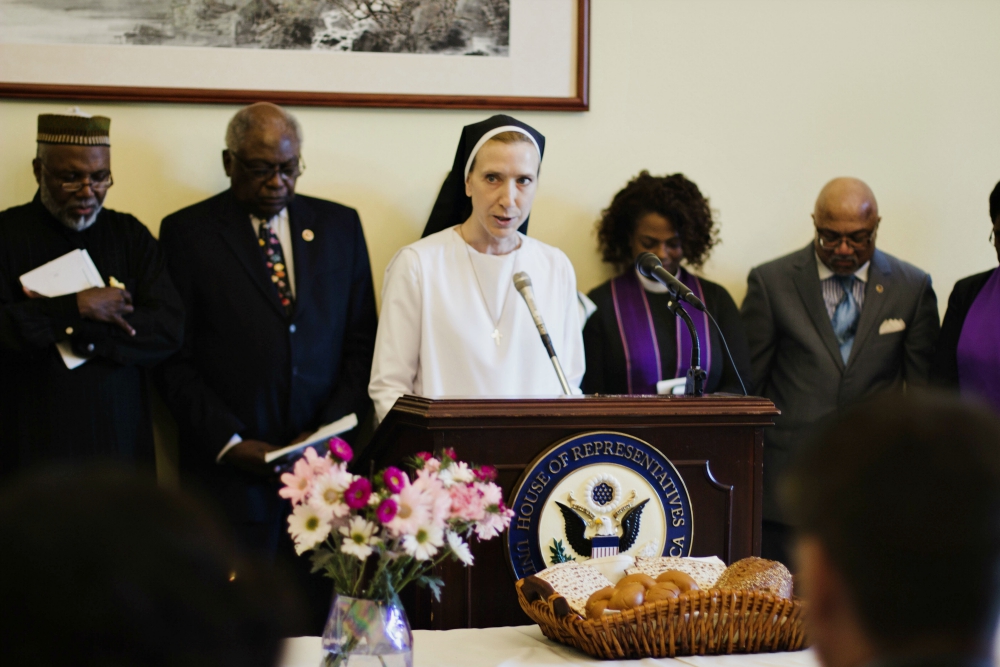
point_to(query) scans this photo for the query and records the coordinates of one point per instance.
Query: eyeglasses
(264, 171)
(831, 240)
(99, 180)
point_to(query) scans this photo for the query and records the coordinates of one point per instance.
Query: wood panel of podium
(715, 443)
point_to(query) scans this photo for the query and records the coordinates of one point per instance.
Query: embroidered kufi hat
(75, 128)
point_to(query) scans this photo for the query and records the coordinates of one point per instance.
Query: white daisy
(424, 543)
(358, 538)
(328, 495)
(307, 527)
(459, 547)
(457, 472)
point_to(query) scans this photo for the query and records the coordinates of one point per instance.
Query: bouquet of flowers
(373, 537)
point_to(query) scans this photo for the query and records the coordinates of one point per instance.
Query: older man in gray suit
(831, 324)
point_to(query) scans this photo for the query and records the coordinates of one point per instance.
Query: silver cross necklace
(496, 335)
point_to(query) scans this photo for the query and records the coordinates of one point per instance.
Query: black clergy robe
(99, 410)
(607, 372)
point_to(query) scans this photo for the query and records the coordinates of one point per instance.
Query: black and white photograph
(444, 27)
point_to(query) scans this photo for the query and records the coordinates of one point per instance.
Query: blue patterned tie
(846, 316)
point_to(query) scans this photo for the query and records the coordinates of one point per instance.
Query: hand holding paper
(72, 273)
(323, 434)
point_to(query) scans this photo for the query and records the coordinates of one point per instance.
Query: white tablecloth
(526, 646)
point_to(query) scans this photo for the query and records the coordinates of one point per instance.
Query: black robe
(606, 369)
(99, 410)
(944, 367)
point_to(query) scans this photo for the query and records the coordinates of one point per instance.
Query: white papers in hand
(73, 272)
(320, 436)
(674, 386)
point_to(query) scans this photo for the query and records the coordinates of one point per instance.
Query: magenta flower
(358, 493)
(386, 511)
(395, 479)
(341, 450)
(486, 474)
(450, 453)
(424, 456)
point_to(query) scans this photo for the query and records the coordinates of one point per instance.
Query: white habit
(435, 334)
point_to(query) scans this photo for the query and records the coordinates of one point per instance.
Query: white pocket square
(891, 326)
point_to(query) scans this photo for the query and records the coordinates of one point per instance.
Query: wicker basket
(711, 622)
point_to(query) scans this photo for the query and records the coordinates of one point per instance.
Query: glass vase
(367, 633)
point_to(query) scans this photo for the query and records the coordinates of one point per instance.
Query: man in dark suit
(281, 321)
(830, 324)
(897, 508)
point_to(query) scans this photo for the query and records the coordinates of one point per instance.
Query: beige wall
(758, 101)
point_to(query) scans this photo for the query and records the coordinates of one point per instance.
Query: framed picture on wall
(463, 54)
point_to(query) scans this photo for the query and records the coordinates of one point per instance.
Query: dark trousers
(776, 543)
(272, 543)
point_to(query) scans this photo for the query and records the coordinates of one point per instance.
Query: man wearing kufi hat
(73, 365)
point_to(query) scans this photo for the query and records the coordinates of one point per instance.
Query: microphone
(649, 265)
(522, 283)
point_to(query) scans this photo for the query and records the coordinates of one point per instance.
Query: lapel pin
(878, 288)
(307, 235)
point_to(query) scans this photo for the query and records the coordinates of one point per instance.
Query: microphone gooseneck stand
(522, 283)
(696, 375)
(650, 266)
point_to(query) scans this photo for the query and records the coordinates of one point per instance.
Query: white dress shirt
(833, 292)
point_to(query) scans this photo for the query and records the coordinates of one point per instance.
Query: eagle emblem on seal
(613, 525)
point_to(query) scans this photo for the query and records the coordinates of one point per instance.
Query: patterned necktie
(275, 261)
(846, 316)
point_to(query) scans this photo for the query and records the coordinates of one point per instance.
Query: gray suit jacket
(794, 354)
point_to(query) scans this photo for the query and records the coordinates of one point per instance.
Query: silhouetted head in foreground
(897, 507)
(104, 568)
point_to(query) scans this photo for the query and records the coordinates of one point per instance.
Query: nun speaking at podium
(452, 323)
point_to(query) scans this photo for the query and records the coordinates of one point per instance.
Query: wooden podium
(716, 443)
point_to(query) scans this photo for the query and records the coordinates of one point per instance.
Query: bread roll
(680, 579)
(757, 574)
(662, 591)
(603, 594)
(628, 596)
(596, 610)
(638, 578)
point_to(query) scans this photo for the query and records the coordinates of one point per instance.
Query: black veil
(452, 206)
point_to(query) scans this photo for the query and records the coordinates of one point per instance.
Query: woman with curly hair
(633, 340)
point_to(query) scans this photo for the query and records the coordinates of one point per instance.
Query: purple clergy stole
(979, 345)
(635, 325)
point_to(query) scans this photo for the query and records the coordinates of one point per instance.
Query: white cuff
(233, 441)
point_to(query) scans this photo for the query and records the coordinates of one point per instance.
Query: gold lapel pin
(307, 235)
(879, 289)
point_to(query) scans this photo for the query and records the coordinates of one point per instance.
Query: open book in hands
(316, 439)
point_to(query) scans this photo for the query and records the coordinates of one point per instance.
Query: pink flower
(466, 502)
(395, 479)
(298, 483)
(386, 511)
(450, 453)
(341, 450)
(496, 516)
(319, 464)
(424, 456)
(411, 514)
(486, 474)
(357, 493)
(434, 495)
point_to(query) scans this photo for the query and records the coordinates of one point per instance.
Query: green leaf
(436, 584)
(320, 559)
